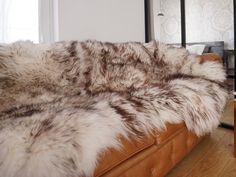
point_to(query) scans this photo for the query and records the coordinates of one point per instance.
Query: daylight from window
(19, 20)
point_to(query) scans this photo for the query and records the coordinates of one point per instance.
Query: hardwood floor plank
(209, 158)
(228, 116)
(189, 161)
(214, 161)
(230, 169)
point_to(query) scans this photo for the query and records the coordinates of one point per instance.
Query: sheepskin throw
(63, 104)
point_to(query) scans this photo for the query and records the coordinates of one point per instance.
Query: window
(19, 20)
(27, 20)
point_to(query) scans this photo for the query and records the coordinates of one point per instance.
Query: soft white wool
(64, 104)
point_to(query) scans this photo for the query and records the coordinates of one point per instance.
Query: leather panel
(112, 158)
(171, 130)
(210, 57)
(158, 159)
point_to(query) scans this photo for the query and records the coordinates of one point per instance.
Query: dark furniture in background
(210, 47)
(218, 48)
(228, 54)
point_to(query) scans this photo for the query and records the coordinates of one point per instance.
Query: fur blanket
(65, 103)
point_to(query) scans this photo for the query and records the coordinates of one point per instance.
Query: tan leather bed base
(158, 159)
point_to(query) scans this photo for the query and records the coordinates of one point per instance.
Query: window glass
(19, 20)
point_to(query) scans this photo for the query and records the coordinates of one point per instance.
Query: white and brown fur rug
(65, 103)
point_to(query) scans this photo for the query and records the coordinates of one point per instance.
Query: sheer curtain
(19, 20)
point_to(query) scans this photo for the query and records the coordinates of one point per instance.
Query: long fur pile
(65, 103)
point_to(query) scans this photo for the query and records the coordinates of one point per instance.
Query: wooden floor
(228, 115)
(213, 157)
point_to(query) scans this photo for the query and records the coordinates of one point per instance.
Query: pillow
(196, 49)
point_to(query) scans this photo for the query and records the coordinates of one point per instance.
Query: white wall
(105, 20)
